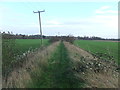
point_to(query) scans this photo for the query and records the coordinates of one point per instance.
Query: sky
(75, 18)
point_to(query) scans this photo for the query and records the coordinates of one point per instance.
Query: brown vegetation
(62, 38)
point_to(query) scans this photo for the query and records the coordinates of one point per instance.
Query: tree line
(9, 35)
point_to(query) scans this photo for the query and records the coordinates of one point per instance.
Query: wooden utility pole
(40, 23)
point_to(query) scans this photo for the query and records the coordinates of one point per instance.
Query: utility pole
(40, 23)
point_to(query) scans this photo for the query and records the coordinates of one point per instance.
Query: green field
(103, 49)
(23, 45)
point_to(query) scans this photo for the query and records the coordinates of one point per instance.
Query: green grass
(23, 45)
(58, 74)
(104, 49)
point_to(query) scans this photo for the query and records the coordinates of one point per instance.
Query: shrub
(62, 38)
(8, 52)
(54, 39)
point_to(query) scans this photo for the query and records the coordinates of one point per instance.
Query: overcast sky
(61, 18)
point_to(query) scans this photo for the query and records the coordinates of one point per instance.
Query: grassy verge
(58, 73)
(13, 49)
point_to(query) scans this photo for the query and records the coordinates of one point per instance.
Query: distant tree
(44, 36)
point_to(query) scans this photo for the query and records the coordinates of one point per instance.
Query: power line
(40, 23)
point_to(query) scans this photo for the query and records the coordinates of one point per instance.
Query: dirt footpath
(96, 73)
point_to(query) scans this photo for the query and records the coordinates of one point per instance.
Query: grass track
(59, 72)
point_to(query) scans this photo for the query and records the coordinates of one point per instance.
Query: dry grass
(76, 51)
(21, 76)
(103, 79)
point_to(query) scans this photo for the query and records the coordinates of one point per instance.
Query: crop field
(102, 49)
(23, 45)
